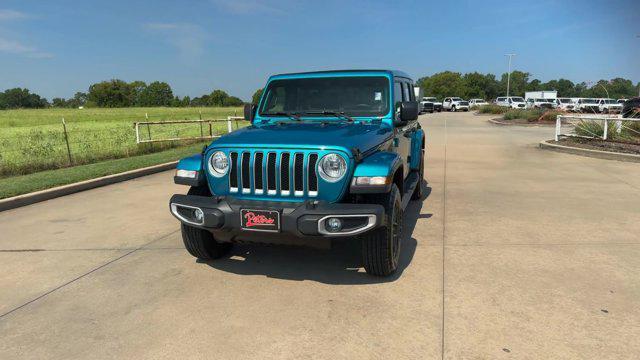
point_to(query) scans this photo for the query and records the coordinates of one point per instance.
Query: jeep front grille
(285, 173)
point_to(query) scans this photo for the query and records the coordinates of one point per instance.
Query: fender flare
(382, 163)
(192, 163)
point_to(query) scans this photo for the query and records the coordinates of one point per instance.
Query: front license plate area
(260, 220)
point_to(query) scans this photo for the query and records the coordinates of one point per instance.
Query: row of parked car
(582, 105)
(454, 103)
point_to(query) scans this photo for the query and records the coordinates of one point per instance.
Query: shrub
(530, 115)
(492, 109)
(596, 129)
(550, 115)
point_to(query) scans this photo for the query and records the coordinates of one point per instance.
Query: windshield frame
(385, 113)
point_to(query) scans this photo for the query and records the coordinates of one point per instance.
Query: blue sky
(56, 48)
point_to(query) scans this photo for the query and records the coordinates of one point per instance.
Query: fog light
(198, 215)
(334, 225)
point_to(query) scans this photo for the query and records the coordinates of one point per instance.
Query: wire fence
(68, 143)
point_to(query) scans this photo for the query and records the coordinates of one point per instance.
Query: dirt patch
(602, 145)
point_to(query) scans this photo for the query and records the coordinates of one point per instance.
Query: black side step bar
(410, 185)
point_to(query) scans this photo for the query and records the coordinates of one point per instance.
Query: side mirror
(408, 112)
(249, 112)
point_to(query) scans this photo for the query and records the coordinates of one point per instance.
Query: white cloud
(15, 47)
(10, 46)
(7, 15)
(247, 6)
(188, 39)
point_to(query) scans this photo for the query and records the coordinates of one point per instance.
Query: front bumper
(305, 219)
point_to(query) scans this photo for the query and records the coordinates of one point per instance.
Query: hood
(308, 135)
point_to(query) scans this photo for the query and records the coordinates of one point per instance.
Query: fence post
(229, 125)
(200, 112)
(66, 139)
(558, 124)
(604, 135)
(136, 125)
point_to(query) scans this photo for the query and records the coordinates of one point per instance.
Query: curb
(502, 123)
(48, 194)
(608, 155)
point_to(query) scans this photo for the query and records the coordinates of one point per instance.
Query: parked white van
(589, 106)
(477, 102)
(541, 103)
(514, 102)
(609, 106)
(565, 104)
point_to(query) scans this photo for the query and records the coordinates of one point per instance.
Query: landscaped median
(594, 148)
(519, 116)
(18, 185)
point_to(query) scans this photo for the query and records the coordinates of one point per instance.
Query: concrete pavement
(516, 253)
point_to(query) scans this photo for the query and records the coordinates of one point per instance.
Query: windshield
(610, 101)
(589, 101)
(353, 96)
(564, 101)
(456, 99)
(517, 99)
(428, 99)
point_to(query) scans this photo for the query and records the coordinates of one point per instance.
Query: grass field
(34, 140)
(17, 185)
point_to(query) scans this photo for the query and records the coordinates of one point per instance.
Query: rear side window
(397, 93)
(405, 92)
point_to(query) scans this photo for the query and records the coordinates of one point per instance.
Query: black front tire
(381, 247)
(201, 243)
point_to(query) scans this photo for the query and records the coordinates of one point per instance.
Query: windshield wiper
(290, 115)
(340, 114)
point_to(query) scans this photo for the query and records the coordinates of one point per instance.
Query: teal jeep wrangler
(328, 155)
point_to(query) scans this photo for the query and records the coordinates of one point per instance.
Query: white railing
(179, 130)
(566, 125)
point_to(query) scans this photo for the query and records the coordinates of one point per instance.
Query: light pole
(509, 73)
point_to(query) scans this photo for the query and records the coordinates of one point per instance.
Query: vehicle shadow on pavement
(340, 265)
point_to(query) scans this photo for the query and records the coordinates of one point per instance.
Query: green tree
(535, 85)
(621, 88)
(478, 85)
(442, 84)
(255, 99)
(112, 93)
(233, 101)
(517, 85)
(217, 98)
(137, 88)
(18, 98)
(58, 102)
(156, 94)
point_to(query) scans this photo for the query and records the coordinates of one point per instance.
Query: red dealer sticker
(260, 220)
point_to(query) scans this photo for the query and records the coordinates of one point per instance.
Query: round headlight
(218, 164)
(332, 167)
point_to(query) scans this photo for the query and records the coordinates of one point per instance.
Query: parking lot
(517, 252)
